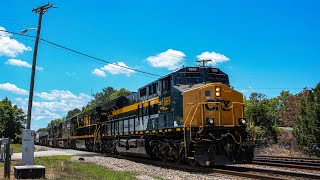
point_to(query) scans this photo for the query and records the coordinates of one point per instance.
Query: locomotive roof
(186, 69)
(201, 69)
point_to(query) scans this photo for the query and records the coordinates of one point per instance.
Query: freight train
(191, 115)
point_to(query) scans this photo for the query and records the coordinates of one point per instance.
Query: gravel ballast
(146, 171)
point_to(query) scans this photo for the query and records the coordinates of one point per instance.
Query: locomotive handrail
(204, 103)
(202, 115)
(197, 106)
(185, 143)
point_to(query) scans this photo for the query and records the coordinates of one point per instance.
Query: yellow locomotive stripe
(135, 106)
(81, 137)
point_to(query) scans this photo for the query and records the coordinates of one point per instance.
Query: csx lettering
(225, 105)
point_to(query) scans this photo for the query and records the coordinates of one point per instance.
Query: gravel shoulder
(146, 171)
(48, 151)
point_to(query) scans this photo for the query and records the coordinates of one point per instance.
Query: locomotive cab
(213, 118)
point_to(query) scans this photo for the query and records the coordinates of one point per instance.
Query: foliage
(72, 113)
(307, 127)
(106, 95)
(259, 110)
(12, 120)
(41, 129)
(65, 168)
(100, 98)
(289, 115)
(55, 122)
(266, 114)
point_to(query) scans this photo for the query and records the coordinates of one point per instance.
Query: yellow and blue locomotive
(191, 114)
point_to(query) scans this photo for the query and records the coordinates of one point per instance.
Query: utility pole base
(28, 147)
(29, 172)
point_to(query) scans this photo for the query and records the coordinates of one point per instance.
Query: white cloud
(170, 59)
(20, 63)
(13, 88)
(55, 105)
(215, 57)
(10, 47)
(64, 104)
(120, 68)
(40, 114)
(99, 72)
(56, 95)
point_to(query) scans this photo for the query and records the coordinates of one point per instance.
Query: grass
(62, 167)
(17, 148)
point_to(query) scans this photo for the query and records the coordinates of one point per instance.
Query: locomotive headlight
(217, 94)
(210, 121)
(217, 89)
(242, 121)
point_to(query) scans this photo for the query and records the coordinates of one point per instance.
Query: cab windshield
(189, 78)
(213, 77)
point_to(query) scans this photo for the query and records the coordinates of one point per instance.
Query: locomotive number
(192, 69)
(166, 101)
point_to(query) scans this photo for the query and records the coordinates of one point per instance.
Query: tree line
(298, 113)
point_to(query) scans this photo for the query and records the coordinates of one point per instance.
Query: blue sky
(264, 46)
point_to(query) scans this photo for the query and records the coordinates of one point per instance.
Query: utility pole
(27, 134)
(39, 10)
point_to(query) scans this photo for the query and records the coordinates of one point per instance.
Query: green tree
(120, 92)
(55, 122)
(12, 120)
(41, 129)
(307, 127)
(258, 110)
(106, 95)
(72, 113)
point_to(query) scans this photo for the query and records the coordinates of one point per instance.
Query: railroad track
(290, 162)
(232, 170)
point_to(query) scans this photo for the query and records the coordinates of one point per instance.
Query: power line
(84, 54)
(86, 58)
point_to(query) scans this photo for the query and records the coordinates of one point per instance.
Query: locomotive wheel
(178, 160)
(192, 162)
(163, 158)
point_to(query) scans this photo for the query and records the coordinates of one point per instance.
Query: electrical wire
(84, 54)
(77, 55)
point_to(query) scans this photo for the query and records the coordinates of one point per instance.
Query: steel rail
(278, 164)
(289, 157)
(274, 172)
